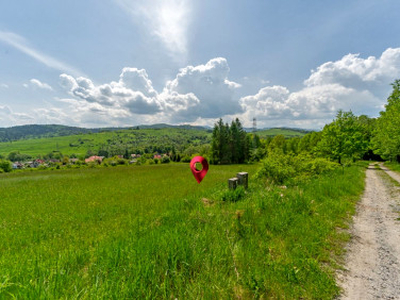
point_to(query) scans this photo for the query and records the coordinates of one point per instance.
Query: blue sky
(121, 63)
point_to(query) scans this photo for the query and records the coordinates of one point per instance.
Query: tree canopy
(344, 137)
(386, 136)
(230, 144)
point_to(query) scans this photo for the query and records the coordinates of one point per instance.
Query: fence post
(232, 183)
(243, 179)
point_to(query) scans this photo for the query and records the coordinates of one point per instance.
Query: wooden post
(232, 183)
(243, 179)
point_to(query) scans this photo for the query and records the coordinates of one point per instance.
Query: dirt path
(373, 257)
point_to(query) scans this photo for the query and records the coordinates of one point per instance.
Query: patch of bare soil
(372, 267)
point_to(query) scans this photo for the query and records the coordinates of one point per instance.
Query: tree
(239, 143)
(278, 143)
(309, 142)
(230, 144)
(5, 166)
(344, 137)
(386, 139)
(17, 156)
(220, 145)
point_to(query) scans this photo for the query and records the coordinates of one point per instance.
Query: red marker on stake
(199, 174)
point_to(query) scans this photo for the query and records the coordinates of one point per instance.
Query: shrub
(122, 161)
(287, 168)
(5, 165)
(165, 160)
(186, 159)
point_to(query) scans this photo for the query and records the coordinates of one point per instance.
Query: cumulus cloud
(202, 91)
(351, 83)
(133, 91)
(208, 83)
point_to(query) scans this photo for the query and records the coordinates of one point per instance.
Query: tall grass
(395, 166)
(153, 232)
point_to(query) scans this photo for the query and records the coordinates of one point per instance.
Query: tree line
(348, 137)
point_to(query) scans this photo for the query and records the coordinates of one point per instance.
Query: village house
(94, 158)
(17, 165)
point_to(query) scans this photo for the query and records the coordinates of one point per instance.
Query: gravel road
(372, 266)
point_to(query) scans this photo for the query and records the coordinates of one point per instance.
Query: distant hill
(163, 126)
(43, 139)
(26, 132)
(37, 131)
(286, 132)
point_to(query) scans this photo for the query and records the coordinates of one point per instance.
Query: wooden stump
(243, 179)
(232, 183)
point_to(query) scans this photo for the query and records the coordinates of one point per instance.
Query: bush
(5, 165)
(165, 160)
(122, 161)
(287, 168)
(186, 159)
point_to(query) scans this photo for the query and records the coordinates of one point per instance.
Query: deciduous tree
(344, 137)
(386, 139)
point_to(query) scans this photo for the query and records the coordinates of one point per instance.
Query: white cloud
(22, 45)
(5, 110)
(166, 20)
(354, 71)
(133, 91)
(209, 84)
(202, 91)
(4, 86)
(9, 118)
(38, 84)
(351, 83)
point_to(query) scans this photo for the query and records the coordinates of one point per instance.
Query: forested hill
(286, 132)
(40, 131)
(25, 132)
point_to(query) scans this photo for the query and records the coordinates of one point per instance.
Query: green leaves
(346, 136)
(229, 143)
(5, 166)
(386, 140)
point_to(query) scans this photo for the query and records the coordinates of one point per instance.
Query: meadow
(134, 139)
(153, 232)
(163, 138)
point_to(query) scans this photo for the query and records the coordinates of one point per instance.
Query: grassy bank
(393, 166)
(153, 232)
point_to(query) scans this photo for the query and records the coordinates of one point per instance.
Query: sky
(109, 63)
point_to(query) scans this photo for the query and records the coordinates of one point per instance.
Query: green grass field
(80, 144)
(154, 232)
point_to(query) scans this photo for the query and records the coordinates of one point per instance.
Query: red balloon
(199, 174)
